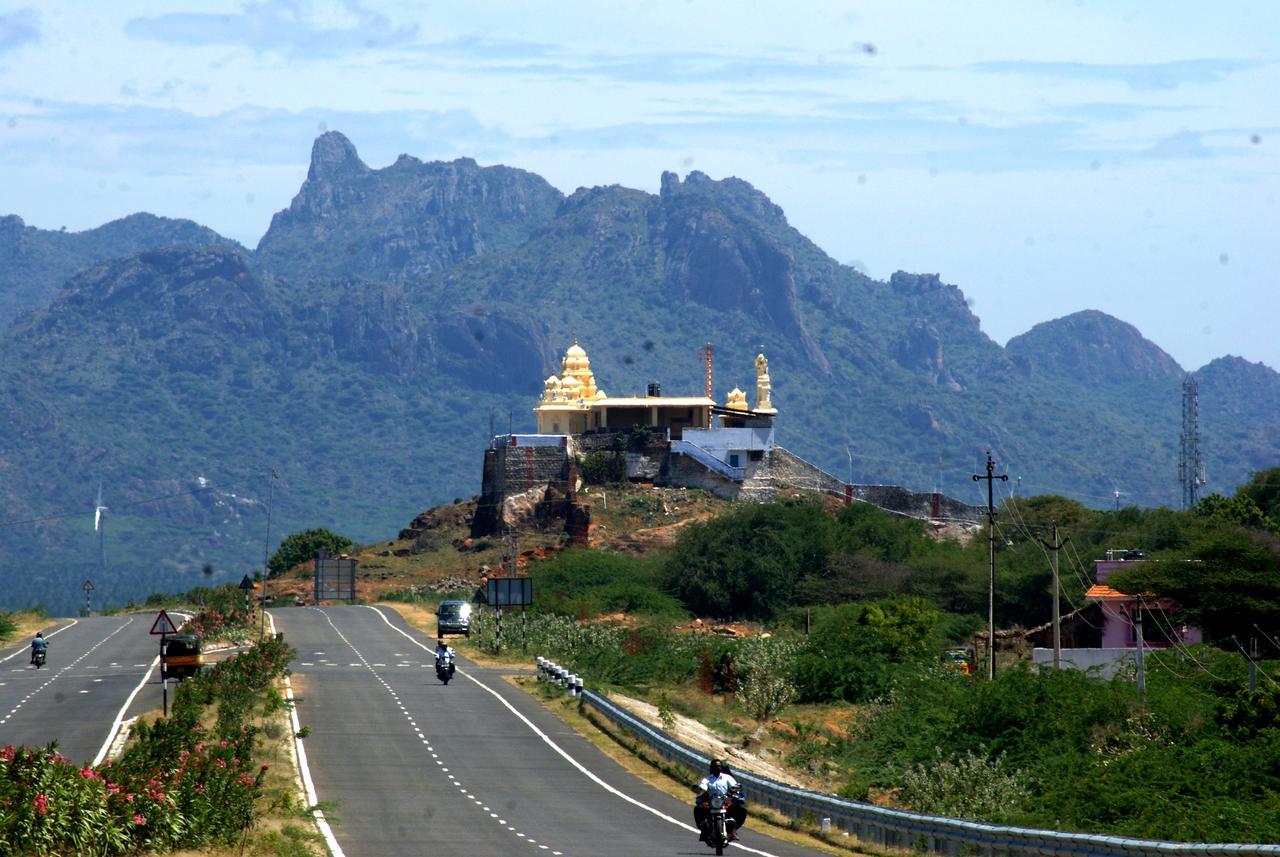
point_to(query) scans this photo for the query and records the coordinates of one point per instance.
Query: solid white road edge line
(307, 784)
(51, 634)
(119, 721)
(564, 753)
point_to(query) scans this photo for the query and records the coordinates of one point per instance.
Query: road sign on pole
(88, 586)
(163, 625)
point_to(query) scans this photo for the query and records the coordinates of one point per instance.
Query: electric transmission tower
(1190, 467)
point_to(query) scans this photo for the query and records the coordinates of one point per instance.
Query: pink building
(1161, 627)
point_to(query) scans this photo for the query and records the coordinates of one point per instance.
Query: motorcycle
(444, 668)
(720, 824)
(37, 658)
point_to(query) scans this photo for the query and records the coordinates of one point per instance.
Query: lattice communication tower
(1190, 467)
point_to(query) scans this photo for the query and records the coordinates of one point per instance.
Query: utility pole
(1056, 546)
(991, 562)
(1137, 627)
(1253, 664)
(266, 550)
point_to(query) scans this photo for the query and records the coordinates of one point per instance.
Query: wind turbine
(100, 527)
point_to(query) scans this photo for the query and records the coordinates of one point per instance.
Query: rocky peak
(407, 220)
(333, 156)
(729, 192)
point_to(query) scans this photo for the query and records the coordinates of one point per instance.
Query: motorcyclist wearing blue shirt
(39, 644)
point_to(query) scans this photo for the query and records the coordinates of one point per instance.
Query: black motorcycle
(37, 658)
(444, 668)
(720, 822)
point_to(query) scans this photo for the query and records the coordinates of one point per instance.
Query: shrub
(764, 668)
(970, 785)
(175, 786)
(580, 582)
(603, 468)
(746, 564)
(855, 651)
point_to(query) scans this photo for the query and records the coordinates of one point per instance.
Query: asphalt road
(476, 768)
(86, 687)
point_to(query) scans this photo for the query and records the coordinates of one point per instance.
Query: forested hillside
(389, 318)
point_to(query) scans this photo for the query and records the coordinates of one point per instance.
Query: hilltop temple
(670, 441)
(572, 403)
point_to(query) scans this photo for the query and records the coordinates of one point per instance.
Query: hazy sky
(1045, 157)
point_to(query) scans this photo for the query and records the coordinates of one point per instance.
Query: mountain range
(391, 320)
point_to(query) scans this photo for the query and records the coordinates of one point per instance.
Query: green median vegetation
(189, 780)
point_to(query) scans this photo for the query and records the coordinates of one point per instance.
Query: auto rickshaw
(182, 657)
(959, 659)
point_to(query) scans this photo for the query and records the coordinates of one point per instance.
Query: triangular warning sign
(163, 625)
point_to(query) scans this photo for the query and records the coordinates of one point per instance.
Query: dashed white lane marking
(56, 675)
(24, 649)
(396, 698)
(560, 750)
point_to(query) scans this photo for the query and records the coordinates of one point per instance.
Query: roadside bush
(604, 652)
(970, 785)
(856, 651)
(764, 670)
(580, 582)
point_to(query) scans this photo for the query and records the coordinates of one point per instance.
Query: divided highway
(93, 679)
(475, 767)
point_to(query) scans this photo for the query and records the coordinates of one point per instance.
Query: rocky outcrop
(919, 349)
(148, 295)
(716, 257)
(402, 222)
(34, 263)
(494, 348)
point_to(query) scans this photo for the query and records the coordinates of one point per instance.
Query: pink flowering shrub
(176, 785)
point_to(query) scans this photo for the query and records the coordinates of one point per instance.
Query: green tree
(304, 546)
(746, 564)
(855, 650)
(1226, 582)
(1263, 488)
(1240, 509)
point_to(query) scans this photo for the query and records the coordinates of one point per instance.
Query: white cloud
(18, 28)
(290, 27)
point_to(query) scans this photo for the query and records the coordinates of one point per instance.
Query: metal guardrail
(894, 828)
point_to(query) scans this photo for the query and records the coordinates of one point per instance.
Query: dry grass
(628, 518)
